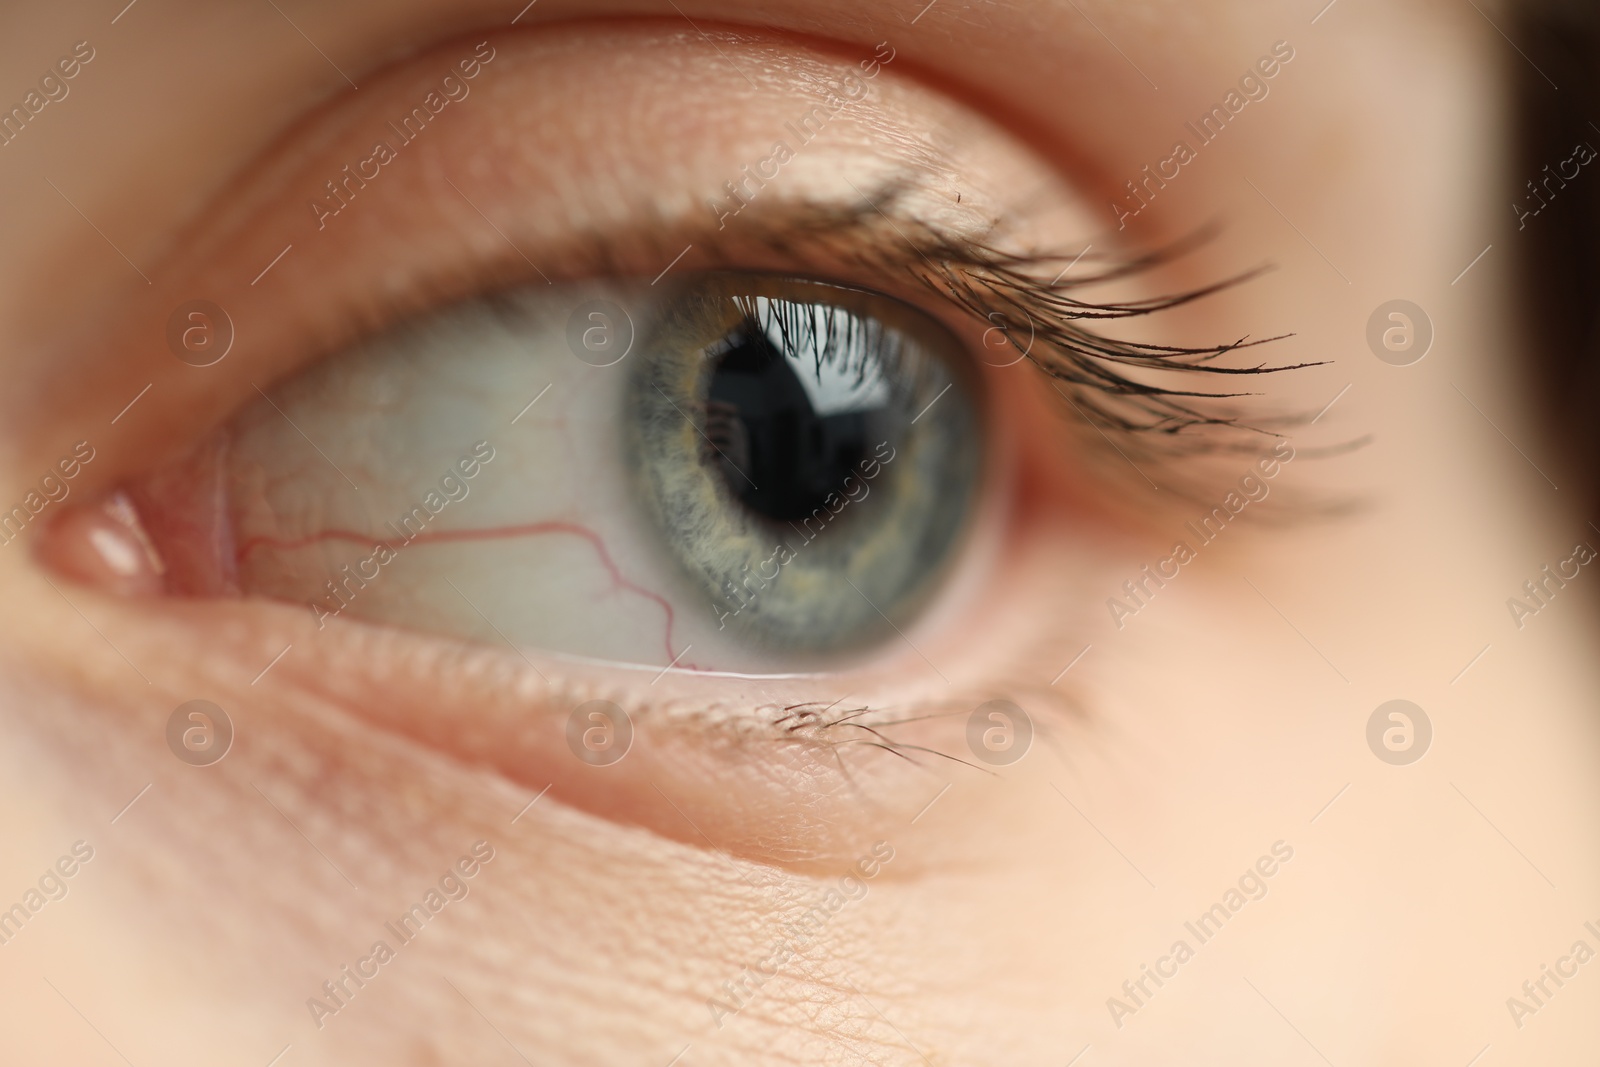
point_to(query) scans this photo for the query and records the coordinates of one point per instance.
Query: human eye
(759, 444)
(733, 471)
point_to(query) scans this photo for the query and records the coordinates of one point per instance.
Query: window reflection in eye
(775, 470)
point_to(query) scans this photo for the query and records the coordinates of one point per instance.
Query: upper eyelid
(361, 316)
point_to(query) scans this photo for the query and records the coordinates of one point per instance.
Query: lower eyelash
(841, 726)
(819, 721)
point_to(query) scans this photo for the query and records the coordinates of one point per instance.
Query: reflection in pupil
(788, 430)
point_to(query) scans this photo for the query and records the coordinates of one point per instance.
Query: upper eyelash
(858, 347)
(978, 280)
(983, 282)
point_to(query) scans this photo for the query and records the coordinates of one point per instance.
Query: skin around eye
(405, 246)
(810, 754)
(787, 768)
(749, 884)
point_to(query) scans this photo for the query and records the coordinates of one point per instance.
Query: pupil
(788, 431)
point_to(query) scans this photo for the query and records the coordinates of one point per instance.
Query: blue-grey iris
(812, 454)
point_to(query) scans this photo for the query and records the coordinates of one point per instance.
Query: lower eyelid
(705, 767)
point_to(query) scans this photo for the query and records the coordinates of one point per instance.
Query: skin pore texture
(631, 914)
